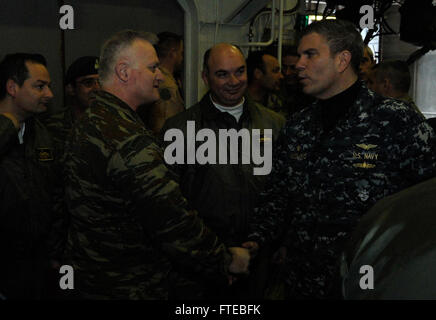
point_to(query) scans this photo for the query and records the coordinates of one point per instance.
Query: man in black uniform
(29, 233)
(339, 156)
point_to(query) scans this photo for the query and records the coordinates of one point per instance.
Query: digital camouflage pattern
(322, 183)
(129, 222)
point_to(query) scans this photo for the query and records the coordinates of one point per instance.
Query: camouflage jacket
(128, 217)
(323, 182)
(30, 224)
(59, 126)
(223, 194)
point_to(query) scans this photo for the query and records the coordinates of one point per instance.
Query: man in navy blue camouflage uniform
(340, 155)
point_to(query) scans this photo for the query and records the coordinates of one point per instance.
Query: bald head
(225, 72)
(218, 50)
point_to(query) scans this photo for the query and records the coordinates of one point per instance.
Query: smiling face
(226, 75)
(317, 67)
(35, 93)
(145, 73)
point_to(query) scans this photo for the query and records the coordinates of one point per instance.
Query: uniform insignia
(165, 94)
(44, 154)
(363, 195)
(96, 65)
(364, 165)
(366, 146)
(298, 155)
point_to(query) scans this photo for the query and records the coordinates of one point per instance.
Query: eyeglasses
(90, 82)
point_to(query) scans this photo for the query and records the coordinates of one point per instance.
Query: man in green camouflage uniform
(130, 225)
(29, 181)
(82, 84)
(224, 194)
(338, 157)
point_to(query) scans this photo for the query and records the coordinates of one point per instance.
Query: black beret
(82, 67)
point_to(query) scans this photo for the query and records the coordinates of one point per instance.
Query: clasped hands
(241, 257)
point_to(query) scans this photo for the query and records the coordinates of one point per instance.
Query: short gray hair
(115, 44)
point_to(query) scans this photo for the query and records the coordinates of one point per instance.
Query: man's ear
(344, 59)
(11, 87)
(204, 75)
(258, 74)
(173, 53)
(122, 70)
(387, 85)
(69, 89)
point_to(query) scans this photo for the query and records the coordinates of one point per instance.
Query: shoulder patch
(44, 154)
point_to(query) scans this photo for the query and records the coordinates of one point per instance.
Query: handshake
(241, 257)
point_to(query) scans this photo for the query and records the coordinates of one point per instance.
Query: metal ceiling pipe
(191, 33)
(279, 47)
(271, 40)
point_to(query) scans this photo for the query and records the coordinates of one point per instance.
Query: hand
(240, 260)
(280, 255)
(252, 246)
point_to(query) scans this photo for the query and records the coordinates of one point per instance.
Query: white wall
(423, 71)
(425, 84)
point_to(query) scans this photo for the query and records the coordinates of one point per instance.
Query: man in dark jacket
(224, 194)
(29, 236)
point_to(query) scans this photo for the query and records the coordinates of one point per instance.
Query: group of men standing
(134, 227)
